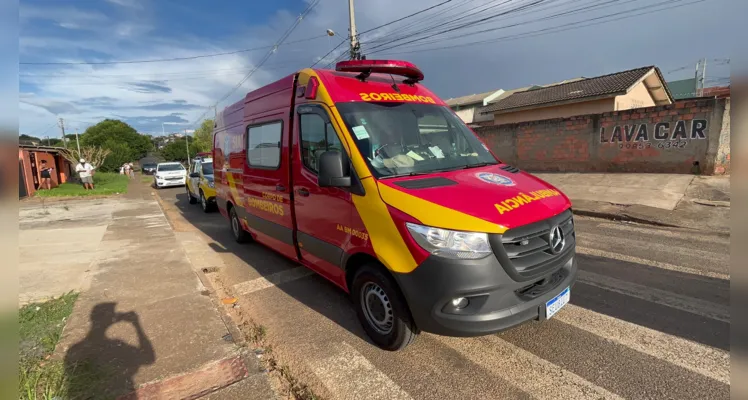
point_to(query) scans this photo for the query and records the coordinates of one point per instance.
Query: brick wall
(655, 139)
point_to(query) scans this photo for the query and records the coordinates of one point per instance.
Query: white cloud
(127, 3)
(68, 15)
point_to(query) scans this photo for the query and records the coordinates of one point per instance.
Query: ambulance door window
(317, 136)
(263, 147)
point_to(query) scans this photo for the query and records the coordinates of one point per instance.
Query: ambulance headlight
(451, 244)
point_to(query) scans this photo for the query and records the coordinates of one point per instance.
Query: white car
(170, 174)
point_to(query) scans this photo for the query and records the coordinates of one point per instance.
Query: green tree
(28, 138)
(177, 150)
(204, 136)
(120, 154)
(115, 131)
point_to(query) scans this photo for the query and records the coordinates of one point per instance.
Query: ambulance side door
(266, 184)
(323, 215)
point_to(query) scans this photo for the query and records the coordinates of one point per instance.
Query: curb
(645, 221)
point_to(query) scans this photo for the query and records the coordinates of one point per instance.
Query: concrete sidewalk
(695, 202)
(146, 323)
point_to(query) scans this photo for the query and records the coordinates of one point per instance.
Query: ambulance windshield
(398, 139)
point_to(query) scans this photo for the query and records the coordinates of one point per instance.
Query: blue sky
(149, 94)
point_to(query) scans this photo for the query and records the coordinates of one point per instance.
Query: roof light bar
(394, 67)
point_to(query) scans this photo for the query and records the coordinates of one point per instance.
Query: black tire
(192, 198)
(391, 333)
(207, 207)
(240, 235)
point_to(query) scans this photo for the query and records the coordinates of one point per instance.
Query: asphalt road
(648, 319)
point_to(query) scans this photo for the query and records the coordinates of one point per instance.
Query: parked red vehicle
(365, 176)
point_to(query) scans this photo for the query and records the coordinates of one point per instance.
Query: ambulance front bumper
(496, 301)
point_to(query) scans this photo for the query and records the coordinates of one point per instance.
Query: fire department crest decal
(496, 179)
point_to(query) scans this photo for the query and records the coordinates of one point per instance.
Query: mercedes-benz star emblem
(557, 240)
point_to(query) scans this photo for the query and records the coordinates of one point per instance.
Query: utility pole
(355, 47)
(77, 142)
(62, 128)
(700, 77)
(187, 144)
(703, 76)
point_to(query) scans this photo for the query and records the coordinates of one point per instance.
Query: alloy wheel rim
(377, 308)
(234, 223)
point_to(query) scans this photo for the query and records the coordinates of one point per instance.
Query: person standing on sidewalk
(85, 172)
(46, 176)
(132, 171)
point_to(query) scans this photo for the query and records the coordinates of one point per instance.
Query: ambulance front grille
(525, 252)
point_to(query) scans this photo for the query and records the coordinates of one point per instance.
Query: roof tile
(591, 87)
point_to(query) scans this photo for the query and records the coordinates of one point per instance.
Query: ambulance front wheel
(240, 235)
(381, 309)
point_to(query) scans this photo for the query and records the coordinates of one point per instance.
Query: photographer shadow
(102, 367)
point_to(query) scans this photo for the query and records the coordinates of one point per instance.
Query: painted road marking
(657, 264)
(659, 232)
(349, 375)
(536, 376)
(705, 360)
(272, 280)
(658, 248)
(147, 216)
(688, 304)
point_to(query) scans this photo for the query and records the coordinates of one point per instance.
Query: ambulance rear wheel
(240, 235)
(381, 309)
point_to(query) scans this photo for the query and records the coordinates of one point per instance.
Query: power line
(405, 17)
(553, 16)
(267, 56)
(410, 32)
(467, 24)
(170, 59)
(373, 29)
(555, 29)
(430, 19)
(328, 53)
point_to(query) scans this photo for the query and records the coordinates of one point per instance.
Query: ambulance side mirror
(333, 170)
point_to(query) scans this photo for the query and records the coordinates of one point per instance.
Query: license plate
(553, 305)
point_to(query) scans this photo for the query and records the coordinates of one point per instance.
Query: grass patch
(105, 183)
(40, 327)
(146, 178)
(43, 378)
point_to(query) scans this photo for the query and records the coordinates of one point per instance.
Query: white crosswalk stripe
(275, 279)
(349, 375)
(528, 372)
(705, 360)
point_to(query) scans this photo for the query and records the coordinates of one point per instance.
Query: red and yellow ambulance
(366, 177)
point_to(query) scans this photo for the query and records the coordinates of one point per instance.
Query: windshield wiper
(480, 164)
(408, 174)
